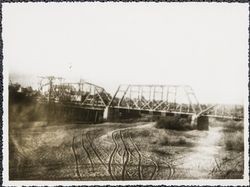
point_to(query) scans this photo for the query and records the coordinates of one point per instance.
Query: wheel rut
(122, 161)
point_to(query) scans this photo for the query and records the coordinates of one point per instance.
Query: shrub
(182, 141)
(234, 141)
(233, 126)
(140, 133)
(174, 123)
(161, 151)
(164, 141)
(174, 141)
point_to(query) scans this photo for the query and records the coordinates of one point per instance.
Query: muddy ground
(119, 151)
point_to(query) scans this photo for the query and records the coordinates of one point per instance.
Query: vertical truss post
(119, 103)
(196, 99)
(141, 98)
(154, 94)
(130, 98)
(153, 99)
(162, 93)
(138, 98)
(175, 93)
(167, 104)
(110, 103)
(150, 92)
(215, 111)
(181, 108)
(223, 110)
(100, 97)
(93, 98)
(189, 99)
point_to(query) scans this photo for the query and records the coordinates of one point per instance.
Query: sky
(204, 45)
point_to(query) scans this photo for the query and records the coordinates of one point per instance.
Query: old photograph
(152, 93)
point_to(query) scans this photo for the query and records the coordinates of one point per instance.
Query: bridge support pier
(106, 113)
(111, 114)
(200, 122)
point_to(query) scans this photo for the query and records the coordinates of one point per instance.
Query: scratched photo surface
(126, 91)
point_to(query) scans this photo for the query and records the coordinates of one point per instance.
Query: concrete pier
(200, 122)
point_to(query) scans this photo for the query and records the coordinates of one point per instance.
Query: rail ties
(75, 156)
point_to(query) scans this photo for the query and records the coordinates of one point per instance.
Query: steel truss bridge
(174, 99)
(81, 94)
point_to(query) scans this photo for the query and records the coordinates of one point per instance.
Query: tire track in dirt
(88, 154)
(127, 155)
(171, 163)
(155, 170)
(75, 156)
(127, 158)
(95, 149)
(140, 176)
(140, 160)
(171, 169)
(219, 167)
(91, 151)
(115, 134)
(111, 158)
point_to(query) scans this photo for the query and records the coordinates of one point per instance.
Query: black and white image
(125, 92)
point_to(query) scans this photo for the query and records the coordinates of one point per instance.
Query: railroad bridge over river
(131, 100)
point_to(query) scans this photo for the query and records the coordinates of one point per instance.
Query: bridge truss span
(161, 98)
(79, 93)
(173, 99)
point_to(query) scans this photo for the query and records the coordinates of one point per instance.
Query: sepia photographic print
(105, 93)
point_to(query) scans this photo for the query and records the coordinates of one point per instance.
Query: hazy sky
(204, 45)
